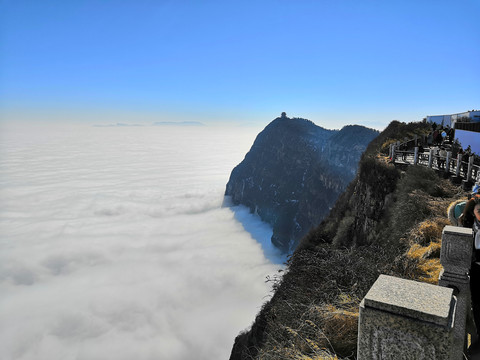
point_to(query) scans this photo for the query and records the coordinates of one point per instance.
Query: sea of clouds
(114, 243)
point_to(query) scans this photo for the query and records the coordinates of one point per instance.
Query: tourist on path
(442, 155)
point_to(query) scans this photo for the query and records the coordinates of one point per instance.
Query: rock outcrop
(312, 312)
(294, 173)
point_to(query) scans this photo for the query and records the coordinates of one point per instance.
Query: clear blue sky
(335, 62)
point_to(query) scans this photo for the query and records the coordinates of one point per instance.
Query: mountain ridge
(294, 172)
(387, 221)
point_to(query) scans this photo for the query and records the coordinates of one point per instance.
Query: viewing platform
(461, 168)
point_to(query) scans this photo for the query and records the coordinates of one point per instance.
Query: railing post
(405, 319)
(415, 155)
(390, 153)
(430, 159)
(470, 167)
(459, 164)
(447, 165)
(456, 257)
(394, 148)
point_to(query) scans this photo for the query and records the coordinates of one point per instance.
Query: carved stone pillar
(447, 164)
(470, 167)
(459, 164)
(456, 257)
(430, 159)
(406, 320)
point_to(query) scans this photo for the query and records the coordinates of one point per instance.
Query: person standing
(442, 156)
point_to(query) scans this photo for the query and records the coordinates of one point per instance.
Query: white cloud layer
(114, 244)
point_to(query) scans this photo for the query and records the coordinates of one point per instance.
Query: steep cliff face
(354, 218)
(315, 304)
(294, 172)
(354, 139)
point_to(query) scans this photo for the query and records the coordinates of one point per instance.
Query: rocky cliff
(387, 221)
(294, 172)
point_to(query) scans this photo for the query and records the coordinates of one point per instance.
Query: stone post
(390, 153)
(415, 155)
(455, 257)
(394, 148)
(430, 159)
(459, 164)
(447, 164)
(470, 166)
(405, 319)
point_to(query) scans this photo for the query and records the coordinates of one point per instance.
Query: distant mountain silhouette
(179, 123)
(118, 125)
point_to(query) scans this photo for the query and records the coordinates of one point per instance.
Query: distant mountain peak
(294, 172)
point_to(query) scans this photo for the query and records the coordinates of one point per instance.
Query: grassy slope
(386, 222)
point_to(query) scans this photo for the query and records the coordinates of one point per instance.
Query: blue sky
(334, 62)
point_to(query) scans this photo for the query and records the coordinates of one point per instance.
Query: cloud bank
(114, 244)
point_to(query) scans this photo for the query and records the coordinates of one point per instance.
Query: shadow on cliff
(260, 231)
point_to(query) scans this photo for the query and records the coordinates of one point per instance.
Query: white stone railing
(463, 170)
(405, 319)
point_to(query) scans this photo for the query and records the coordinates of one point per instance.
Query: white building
(450, 120)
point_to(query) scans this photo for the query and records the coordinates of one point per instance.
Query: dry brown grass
(341, 325)
(422, 259)
(338, 320)
(315, 313)
(338, 323)
(386, 145)
(293, 354)
(325, 356)
(428, 231)
(384, 159)
(320, 332)
(298, 347)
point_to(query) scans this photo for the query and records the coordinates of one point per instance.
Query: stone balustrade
(405, 319)
(465, 171)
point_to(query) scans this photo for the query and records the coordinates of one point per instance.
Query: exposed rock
(294, 173)
(337, 262)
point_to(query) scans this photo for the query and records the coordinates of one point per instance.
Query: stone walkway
(405, 158)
